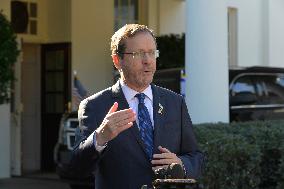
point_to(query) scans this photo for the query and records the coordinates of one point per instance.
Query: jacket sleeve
(191, 157)
(84, 155)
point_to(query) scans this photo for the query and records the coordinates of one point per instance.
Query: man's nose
(147, 56)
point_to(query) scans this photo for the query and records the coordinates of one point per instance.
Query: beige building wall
(58, 21)
(41, 37)
(167, 16)
(92, 26)
(172, 17)
(54, 24)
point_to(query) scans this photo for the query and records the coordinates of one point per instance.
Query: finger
(113, 108)
(121, 115)
(158, 167)
(163, 161)
(120, 121)
(164, 150)
(163, 156)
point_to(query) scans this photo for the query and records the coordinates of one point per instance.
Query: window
(125, 11)
(274, 89)
(243, 92)
(233, 36)
(241, 86)
(33, 18)
(24, 17)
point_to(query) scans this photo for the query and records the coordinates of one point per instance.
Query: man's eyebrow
(146, 50)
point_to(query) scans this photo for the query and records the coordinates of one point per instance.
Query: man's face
(138, 71)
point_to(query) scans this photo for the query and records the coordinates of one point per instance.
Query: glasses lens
(141, 54)
(157, 53)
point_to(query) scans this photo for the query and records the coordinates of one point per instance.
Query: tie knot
(141, 97)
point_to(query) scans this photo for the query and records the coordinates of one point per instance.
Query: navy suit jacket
(123, 164)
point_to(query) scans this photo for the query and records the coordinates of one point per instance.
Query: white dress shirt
(133, 101)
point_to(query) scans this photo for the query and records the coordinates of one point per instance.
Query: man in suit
(134, 127)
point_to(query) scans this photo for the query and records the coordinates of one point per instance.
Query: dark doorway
(54, 97)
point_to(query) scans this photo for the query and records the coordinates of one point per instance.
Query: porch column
(5, 118)
(207, 61)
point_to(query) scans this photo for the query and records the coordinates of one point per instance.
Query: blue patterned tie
(145, 125)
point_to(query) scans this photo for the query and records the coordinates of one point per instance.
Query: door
(55, 97)
(30, 116)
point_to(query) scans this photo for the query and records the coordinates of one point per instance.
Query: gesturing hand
(164, 159)
(114, 123)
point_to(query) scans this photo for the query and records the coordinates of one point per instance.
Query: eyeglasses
(141, 54)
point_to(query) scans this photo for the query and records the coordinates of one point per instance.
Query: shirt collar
(130, 93)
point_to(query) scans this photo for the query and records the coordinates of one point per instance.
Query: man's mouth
(147, 71)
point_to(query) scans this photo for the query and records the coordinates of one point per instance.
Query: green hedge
(8, 56)
(242, 155)
(172, 51)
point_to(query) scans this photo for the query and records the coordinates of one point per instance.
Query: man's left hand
(164, 159)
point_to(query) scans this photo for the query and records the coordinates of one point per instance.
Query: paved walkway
(33, 182)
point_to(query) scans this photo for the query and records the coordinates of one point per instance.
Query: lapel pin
(160, 111)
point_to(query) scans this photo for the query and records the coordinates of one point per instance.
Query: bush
(242, 155)
(8, 56)
(172, 51)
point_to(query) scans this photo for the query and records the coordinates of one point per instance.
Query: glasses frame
(142, 54)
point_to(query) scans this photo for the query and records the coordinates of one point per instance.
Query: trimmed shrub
(8, 56)
(172, 51)
(242, 155)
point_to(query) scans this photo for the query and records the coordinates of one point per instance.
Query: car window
(242, 85)
(280, 81)
(243, 92)
(274, 89)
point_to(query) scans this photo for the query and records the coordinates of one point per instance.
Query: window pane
(134, 7)
(54, 103)
(132, 13)
(50, 103)
(33, 10)
(55, 60)
(33, 27)
(243, 85)
(59, 108)
(54, 81)
(280, 81)
(275, 91)
(125, 12)
(116, 9)
(124, 3)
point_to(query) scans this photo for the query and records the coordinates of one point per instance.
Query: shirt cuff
(98, 147)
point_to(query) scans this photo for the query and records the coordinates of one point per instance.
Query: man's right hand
(114, 123)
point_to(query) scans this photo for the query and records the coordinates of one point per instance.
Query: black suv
(256, 93)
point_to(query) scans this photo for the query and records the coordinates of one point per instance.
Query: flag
(78, 93)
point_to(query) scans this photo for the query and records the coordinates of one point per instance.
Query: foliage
(243, 155)
(172, 51)
(8, 56)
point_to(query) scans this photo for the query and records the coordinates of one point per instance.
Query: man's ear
(116, 61)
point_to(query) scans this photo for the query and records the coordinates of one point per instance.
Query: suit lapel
(158, 116)
(119, 97)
